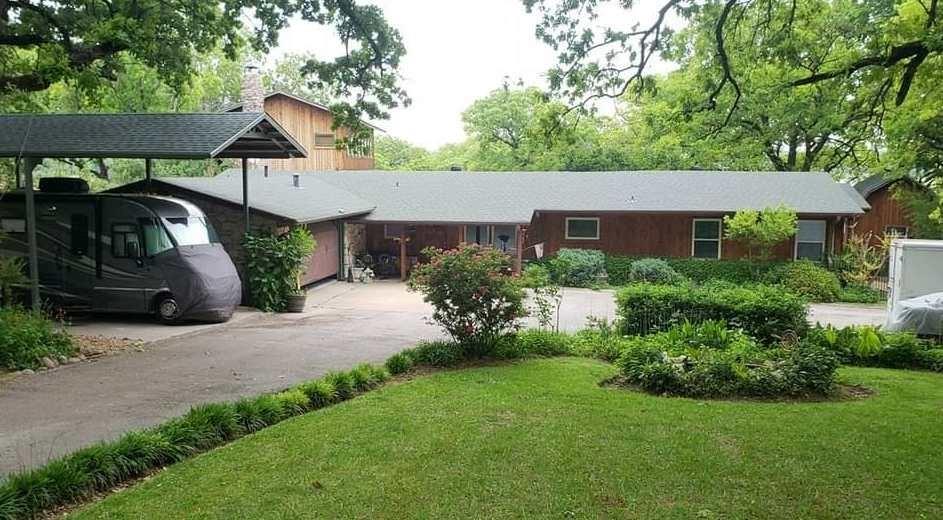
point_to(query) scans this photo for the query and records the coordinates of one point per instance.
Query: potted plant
(276, 264)
(299, 244)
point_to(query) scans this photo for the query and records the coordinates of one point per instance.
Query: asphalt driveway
(52, 413)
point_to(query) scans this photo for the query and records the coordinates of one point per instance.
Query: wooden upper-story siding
(304, 122)
(886, 210)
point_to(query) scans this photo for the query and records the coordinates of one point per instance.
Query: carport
(30, 138)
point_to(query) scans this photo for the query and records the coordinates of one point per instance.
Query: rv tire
(167, 309)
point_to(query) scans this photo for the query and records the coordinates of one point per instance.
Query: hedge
(767, 313)
(696, 269)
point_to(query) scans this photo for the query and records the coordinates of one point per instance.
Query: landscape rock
(48, 362)
(74, 360)
(27, 371)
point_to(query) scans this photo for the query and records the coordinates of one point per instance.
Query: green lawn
(542, 439)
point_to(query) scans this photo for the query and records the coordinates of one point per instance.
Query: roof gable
(154, 136)
(312, 104)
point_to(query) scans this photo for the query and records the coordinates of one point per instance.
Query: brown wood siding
(440, 236)
(304, 122)
(885, 211)
(643, 234)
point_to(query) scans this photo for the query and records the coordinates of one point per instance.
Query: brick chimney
(253, 99)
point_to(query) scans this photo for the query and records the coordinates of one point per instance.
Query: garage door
(323, 262)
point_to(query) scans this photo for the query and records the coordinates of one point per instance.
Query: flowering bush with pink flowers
(475, 297)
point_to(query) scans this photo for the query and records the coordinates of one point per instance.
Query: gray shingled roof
(312, 202)
(512, 197)
(156, 136)
(854, 194)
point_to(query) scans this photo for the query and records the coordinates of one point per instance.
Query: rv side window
(125, 241)
(79, 230)
(155, 238)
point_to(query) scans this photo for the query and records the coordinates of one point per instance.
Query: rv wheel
(167, 309)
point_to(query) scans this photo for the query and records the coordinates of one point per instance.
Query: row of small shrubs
(766, 313)
(106, 465)
(805, 278)
(710, 360)
(871, 346)
(698, 270)
(27, 336)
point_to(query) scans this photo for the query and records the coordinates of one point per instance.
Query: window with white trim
(896, 231)
(582, 228)
(705, 238)
(810, 240)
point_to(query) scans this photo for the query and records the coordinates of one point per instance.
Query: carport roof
(154, 136)
(512, 197)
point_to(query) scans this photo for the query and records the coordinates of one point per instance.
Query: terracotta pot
(296, 303)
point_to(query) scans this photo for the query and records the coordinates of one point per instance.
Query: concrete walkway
(52, 413)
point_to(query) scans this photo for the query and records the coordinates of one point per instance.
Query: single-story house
(390, 215)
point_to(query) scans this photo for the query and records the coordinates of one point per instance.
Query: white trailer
(915, 293)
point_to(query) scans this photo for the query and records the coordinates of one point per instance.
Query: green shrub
(399, 363)
(766, 313)
(932, 359)
(474, 296)
(533, 343)
(437, 353)
(807, 279)
(653, 270)
(698, 270)
(601, 339)
(26, 337)
(363, 377)
(535, 275)
(293, 402)
(578, 267)
(320, 392)
(860, 294)
(274, 264)
(343, 384)
(870, 346)
(707, 360)
(259, 412)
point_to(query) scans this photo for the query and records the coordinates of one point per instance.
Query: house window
(393, 231)
(79, 234)
(125, 242)
(896, 231)
(810, 240)
(705, 238)
(582, 228)
(479, 234)
(324, 140)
